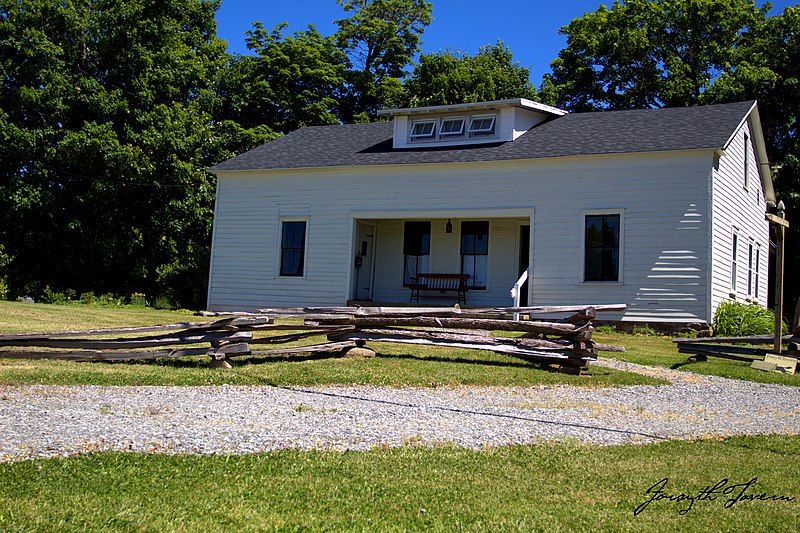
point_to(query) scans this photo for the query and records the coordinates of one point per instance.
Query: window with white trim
(475, 253)
(750, 272)
(451, 127)
(423, 129)
(746, 162)
(293, 247)
(602, 244)
(416, 249)
(481, 126)
(734, 254)
(757, 270)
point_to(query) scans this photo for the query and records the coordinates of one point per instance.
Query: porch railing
(516, 291)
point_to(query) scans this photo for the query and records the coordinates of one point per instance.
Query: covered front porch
(389, 253)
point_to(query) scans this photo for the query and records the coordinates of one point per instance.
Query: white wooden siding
(740, 209)
(666, 223)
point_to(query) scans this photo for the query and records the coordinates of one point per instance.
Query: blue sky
(529, 28)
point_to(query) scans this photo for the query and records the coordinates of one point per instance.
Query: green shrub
(87, 298)
(49, 296)
(737, 319)
(644, 330)
(137, 299)
(605, 329)
(5, 259)
(109, 299)
(163, 301)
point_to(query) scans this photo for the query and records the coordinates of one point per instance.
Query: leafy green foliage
(380, 39)
(295, 80)
(106, 130)
(737, 319)
(644, 330)
(649, 53)
(453, 78)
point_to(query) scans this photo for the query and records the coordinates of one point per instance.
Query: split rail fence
(739, 348)
(565, 342)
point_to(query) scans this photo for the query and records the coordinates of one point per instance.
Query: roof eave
(442, 163)
(475, 106)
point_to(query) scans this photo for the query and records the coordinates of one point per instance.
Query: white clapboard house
(659, 209)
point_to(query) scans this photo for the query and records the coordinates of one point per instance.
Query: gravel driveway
(45, 420)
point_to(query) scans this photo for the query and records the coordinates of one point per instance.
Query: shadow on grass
(434, 359)
(266, 359)
(678, 366)
(759, 446)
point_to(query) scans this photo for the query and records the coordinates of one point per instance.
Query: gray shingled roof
(576, 134)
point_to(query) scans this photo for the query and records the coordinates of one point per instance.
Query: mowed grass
(564, 487)
(395, 365)
(17, 317)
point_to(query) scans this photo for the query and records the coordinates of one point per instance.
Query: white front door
(363, 260)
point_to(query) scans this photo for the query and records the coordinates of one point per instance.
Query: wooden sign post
(781, 224)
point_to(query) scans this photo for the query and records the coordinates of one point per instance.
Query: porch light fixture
(448, 228)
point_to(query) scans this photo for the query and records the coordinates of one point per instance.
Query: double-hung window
(293, 247)
(757, 271)
(475, 253)
(416, 249)
(601, 247)
(746, 162)
(750, 271)
(734, 258)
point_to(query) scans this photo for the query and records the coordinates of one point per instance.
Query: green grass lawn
(563, 487)
(16, 317)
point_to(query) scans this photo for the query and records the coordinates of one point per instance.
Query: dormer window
(451, 127)
(472, 123)
(423, 129)
(480, 126)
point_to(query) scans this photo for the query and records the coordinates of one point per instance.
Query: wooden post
(781, 224)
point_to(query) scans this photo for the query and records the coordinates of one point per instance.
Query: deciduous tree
(650, 53)
(105, 130)
(381, 37)
(451, 78)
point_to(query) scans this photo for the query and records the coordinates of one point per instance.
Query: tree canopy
(104, 134)
(381, 37)
(650, 53)
(295, 80)
(454, 78)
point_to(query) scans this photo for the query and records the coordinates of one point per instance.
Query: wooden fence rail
(565, 342)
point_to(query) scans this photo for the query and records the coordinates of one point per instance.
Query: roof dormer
(472, 123)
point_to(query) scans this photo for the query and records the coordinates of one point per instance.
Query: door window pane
(416, 249)
(475, 253)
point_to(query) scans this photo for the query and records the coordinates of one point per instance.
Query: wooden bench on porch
(440, 283)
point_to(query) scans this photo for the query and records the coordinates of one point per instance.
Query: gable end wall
(735, 208)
